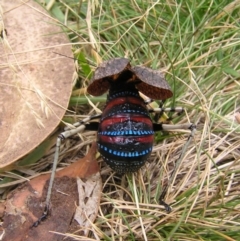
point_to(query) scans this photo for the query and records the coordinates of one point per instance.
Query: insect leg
(80, 126)
(160, 110)
(148, 101)
(170, 109)
(83, 121)
(166, 127)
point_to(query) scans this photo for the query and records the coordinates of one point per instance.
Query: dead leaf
(89, 199)
(84, 168)
(26, 204)
(35, 82)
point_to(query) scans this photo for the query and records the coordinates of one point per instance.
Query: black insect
(125, 132)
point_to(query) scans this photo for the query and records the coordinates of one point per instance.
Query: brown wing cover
(150, 82)
(153, 83)
(107, 70)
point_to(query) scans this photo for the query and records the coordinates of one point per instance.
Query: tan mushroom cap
(36, 83)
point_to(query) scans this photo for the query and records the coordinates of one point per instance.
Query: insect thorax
(125, 135)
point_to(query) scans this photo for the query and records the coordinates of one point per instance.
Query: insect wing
(153, 83)
(108, 70)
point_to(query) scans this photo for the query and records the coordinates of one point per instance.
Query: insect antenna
(148, 37)
(86, 62)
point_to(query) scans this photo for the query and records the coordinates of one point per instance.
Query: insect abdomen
(125, 135)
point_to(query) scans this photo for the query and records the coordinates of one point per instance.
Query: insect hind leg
(79, 127)
(166, 127)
